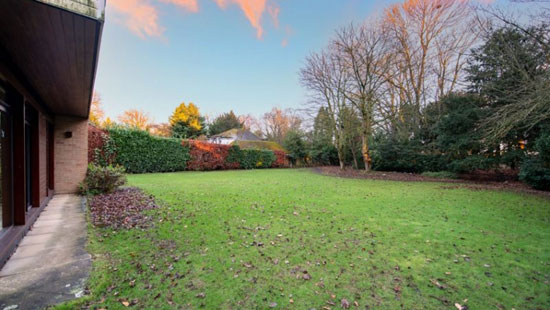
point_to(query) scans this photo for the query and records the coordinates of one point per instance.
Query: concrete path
(51, 264)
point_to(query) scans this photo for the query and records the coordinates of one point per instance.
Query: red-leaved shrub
(281, 161)
(95, 141)
(208, 156)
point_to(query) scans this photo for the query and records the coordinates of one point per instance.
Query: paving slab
(51, 264)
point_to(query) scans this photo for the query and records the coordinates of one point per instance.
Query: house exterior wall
(42, 166)
(221, 140)
(71, 153)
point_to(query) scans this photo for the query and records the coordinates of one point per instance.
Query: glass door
(6, 205)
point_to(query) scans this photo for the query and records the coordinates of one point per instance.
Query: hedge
(96, 139)
(140, 152)
(251, 159)
(208, 156)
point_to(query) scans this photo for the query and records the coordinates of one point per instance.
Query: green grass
(375, 242)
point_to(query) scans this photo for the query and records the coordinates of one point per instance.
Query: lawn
(293, 239)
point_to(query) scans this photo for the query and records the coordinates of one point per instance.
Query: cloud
(140, 17)
(252, 9)
(274, 13)
(189, 5)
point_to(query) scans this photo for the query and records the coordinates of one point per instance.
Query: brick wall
(42, 151)
(71, 154)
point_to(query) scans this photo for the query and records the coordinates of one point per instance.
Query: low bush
(208, 156)
(101, 179)
(251, 159)
(97, 138)
(535, 170)
(140, 152)
(535, 174)
(121, 209)
(441, 175)
(281, 160)
(323, 154)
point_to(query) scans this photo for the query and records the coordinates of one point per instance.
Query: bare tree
(277, 123)
(136, 119)
(431, 40)
(325, 76)
(366, 54)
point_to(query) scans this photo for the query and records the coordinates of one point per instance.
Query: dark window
(6, 205)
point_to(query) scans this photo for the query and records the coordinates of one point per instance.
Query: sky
(240, 55)
(222, 55)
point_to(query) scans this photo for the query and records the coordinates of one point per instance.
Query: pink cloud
(252, 9)
(139, 16)
(142, 18)
(274, 13)
(284, 43)
(189, 5)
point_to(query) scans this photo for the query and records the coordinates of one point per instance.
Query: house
(232, 135)
(48, 59)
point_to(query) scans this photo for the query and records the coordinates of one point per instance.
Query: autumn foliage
(281, 160)
(140, 152)
(208, 156)
(95, 141)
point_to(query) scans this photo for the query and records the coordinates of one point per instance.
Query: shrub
(140, 152)
(440, 175)
(281, 160)
(101, 179)
(101, 147)
(535, 170)
(473, 163)
(209, 156)
(295, 145)
(323, 154)
(535, 174)
(251, 159)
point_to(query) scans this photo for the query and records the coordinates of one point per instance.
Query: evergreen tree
(186, 122)
(224, 122)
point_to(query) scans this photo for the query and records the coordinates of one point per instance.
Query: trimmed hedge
(281, 160)
(208, 156)
(251, 159)
(140, 152)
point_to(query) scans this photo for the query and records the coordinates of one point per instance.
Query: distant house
(232, 135)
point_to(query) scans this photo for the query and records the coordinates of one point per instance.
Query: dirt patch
(505, 185)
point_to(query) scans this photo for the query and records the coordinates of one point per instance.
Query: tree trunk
(365, 151)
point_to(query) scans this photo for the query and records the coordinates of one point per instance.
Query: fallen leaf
(344, 303)
(200, 295)
(439, 285)
(460, 307)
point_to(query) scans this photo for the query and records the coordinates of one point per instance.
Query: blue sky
(214, 57)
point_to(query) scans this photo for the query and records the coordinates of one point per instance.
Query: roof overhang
(55, 46)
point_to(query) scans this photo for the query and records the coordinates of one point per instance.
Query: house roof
(259, 145)
(238, 134)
